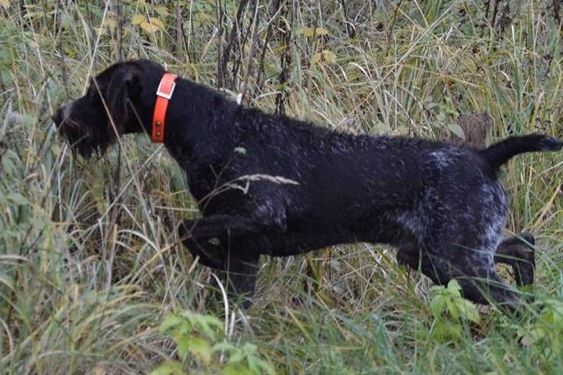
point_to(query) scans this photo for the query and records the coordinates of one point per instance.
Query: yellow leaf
(99, 370)
(317, 31)
(329, 56)
(149, 27)
(321, 31)
(138, 19)
(325, 56)
(316, 58)
(307, 31)
(162, 10)
(155, 21)
(5, 4)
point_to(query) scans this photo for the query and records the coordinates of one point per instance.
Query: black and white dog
(277, 186)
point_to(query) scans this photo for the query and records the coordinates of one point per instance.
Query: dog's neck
(196, 115)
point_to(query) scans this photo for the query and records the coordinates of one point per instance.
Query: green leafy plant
(202, 338)
(451, 312)
(544, 336)
(243, 360)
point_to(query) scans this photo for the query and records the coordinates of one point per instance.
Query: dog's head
(119, 100)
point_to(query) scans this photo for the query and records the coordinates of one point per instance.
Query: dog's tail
(501, 152)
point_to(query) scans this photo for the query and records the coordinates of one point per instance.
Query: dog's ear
(125, 86)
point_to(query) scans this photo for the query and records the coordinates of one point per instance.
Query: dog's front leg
(208, 238)
(235, 260)
(219, 225)
(240, 277)
(211, 253)
(230, 245)
(233, 244)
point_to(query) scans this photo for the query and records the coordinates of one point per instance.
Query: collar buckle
(164, 94)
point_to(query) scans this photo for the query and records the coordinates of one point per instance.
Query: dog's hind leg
(408, 254)
(518, 252)
(475, 272)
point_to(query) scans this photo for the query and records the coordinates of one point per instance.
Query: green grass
(90, 266)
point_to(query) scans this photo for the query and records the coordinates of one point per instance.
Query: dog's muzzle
(61, 114)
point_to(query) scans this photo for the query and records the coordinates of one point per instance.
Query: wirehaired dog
(273, 185)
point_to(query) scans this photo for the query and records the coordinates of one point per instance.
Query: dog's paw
(209, 256)
(528, 238)
(209, 251)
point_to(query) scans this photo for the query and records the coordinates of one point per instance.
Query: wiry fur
(277, 186)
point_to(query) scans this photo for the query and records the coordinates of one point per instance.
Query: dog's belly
(305, 237)
(367, 226)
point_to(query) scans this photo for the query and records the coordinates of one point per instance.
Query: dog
(273, 185)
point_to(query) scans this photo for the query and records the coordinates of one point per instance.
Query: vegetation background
(92, 277)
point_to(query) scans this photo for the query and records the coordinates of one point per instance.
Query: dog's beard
(85, 141)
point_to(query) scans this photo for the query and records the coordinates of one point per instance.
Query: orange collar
(163, 95)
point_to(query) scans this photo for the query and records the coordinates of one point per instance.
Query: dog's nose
(57, 117)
